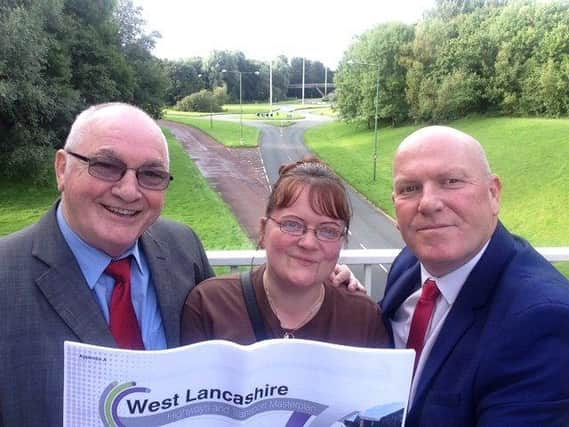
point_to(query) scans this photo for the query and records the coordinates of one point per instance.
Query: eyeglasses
(325, 233)
(112, 170)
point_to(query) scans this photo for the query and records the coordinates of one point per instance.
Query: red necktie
(123, 321)
(421, 318)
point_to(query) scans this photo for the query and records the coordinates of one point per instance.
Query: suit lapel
(472, 299)
(64, 286)
(170, 289)
(399, 291)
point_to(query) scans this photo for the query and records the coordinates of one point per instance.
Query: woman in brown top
(305, 225)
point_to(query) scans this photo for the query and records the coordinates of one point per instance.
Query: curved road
(370, 228)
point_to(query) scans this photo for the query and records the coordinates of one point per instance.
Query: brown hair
(326, 192)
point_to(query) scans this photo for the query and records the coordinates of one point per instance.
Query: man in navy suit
(496, 347)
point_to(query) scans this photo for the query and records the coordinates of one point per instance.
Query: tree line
(59, 56)
(56, 58)
(464, 57)
(507, 57)
(200, 77)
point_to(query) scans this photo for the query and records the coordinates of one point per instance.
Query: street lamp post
(240, 97)
(240, 107)
(376, 113)
(270, 86)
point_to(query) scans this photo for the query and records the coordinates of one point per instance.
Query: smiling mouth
(127, 213)
(432, 227)
(304, 260)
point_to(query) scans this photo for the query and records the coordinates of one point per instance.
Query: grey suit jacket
(44, 300)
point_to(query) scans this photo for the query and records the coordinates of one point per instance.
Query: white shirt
(449, 286)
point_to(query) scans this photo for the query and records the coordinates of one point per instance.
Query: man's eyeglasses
(325, 233)
(112, 170)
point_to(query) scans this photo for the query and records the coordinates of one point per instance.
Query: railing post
(367, 278)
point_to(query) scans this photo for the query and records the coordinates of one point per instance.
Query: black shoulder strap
(252, 307)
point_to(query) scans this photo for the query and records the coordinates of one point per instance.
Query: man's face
(112, 215)
(446, 201)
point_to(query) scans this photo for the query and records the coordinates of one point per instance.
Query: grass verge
(224, 132)
(530, 155)
(190, 200)
(23, 204)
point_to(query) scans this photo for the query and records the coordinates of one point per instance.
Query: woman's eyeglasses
(325, 233)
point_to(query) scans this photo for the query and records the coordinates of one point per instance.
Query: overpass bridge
(321, 88)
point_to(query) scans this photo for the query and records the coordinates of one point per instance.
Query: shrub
(33, 162)
(202, 101)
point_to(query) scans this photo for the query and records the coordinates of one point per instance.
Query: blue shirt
(93, 263)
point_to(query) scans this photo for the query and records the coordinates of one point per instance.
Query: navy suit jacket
(44, 300)
(502, 356)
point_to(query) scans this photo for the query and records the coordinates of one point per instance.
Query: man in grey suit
(112, 175)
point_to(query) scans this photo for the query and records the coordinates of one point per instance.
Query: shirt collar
(450, 284)
(91, 260)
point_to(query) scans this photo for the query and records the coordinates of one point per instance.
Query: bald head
(444, 139)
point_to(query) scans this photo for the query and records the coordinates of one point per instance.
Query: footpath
(237, 174)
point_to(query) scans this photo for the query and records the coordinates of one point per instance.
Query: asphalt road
(370, 228)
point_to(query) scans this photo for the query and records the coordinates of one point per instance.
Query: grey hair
(88, 116)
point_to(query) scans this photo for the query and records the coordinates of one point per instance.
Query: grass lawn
(225, 132)
(23, 204)
(247, 108)
(228, 133)
(348, 149)
(189, 200)
(324, 111)
(264, 108)
(530, 155)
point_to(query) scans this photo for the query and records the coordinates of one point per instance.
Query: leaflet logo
(110, 399)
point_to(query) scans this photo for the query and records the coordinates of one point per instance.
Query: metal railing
(352, 257)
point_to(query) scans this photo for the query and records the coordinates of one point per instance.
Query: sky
(263, 29)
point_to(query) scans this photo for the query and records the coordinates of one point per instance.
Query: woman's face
(305, 260)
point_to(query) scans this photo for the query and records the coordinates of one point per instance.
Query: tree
(376, 57)
(447, 9)
(533, 44)
(36, 99)
(231, 62)
(281, 78)
(451, 66)
(57, 57)
(149, 79)
(184, 78)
